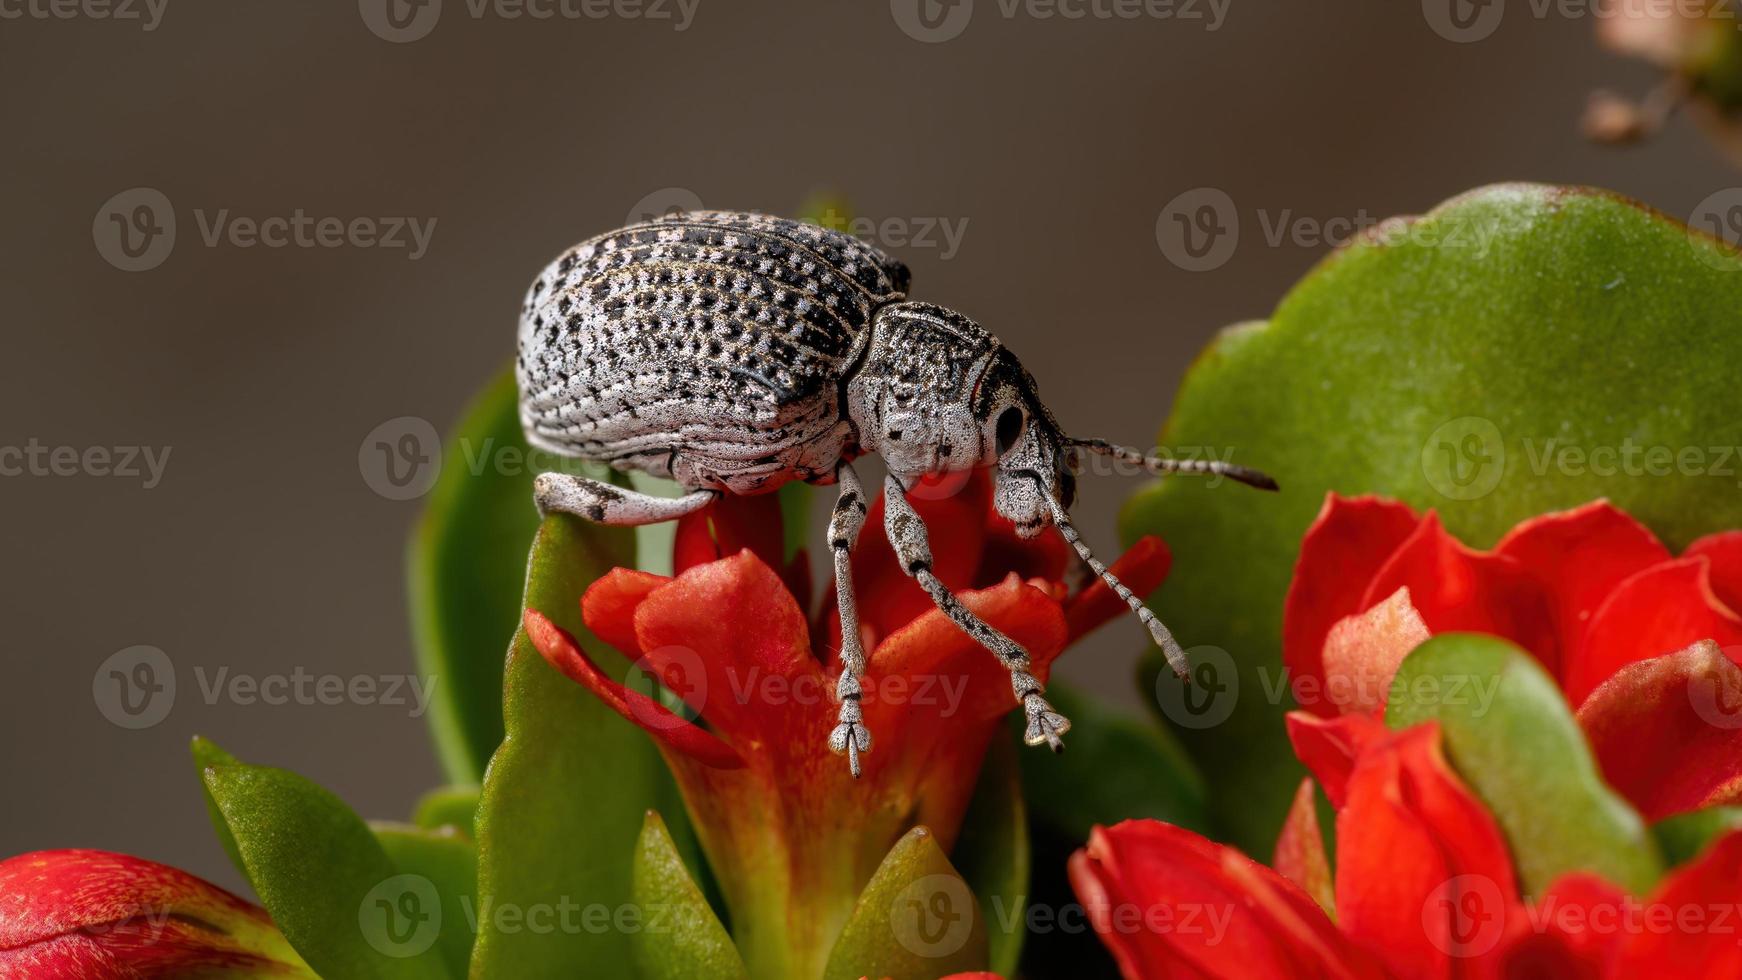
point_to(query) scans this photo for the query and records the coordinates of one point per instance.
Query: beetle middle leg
(602, 503)
(907, 535)
(850, 735)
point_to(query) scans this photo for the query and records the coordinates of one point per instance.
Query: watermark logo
(1465, 916)
(933, 916)
(400, 21)
(1199, 229)
(402, 916)
(146, 13)
(932, 21)
(674, 677)
(664, 203)
(1716, 695)
(135, 229)
(1206, 696)
(135, 688)
(1464, 458)
(401, 458)
(901, 232)
(1720, 216)
(1464, 21)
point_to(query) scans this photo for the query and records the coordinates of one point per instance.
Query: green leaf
(1117, 768)
(1511, 736)
(448, 860)
(993, 854)
(678, 936)
(1515, 315)
(321, 873)
(1685, 835)
(563, 801)
(207, 754)
(448, 806)
(916, 919)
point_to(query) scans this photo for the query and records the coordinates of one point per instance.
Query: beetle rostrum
(735, 352)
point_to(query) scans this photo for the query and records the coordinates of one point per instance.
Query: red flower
(1424, 888)
(93, 915)
(790, 834)
(1589, 592)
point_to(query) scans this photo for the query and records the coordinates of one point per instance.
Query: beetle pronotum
(735, 352)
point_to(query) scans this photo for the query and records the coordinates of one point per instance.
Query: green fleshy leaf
(448, 860)
(1685, 835)
(207, 754)
(993, 853)
(916, 919)
(1508, 317)
(1511, 736)
(678, 936)
(321, 873)
(449, 806)
(1117, 768)
(563, 801)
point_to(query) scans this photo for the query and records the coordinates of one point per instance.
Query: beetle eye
(1009, 428)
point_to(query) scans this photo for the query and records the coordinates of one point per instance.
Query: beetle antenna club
(733, 352)
(1163, 466)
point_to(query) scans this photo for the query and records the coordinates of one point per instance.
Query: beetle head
(1035, 465)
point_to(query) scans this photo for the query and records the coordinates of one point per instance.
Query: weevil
(735, 352)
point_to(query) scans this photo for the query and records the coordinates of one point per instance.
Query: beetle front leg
(602, 503)
(907, 535)
(850, 735)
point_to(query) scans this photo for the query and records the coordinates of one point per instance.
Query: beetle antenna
(1176, 657)
(1162, 466)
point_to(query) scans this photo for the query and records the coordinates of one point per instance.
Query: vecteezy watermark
(664, 203)
(933, 916)
(936, 21)
(148, 14)
(1720, 216)
(1716, 695)
(1465, 916)
(404, 21)
(404, 916)
(1201, 229)
(1465, 458)
(1468, 915)
(135, 231)
(902, 232)
(143, 463)
(1469, 21)
(401, 458)
(136, 688)
(1206, 696)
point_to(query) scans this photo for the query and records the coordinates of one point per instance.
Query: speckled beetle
(735, 352)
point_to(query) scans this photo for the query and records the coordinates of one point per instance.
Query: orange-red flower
(790, 834)
(93, 915)
(1590, 592)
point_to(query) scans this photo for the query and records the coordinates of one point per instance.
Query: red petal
(1300, 849)
(1044, 556)
(608, 607)
(1570, 933)
(1363, 651)
(1329, 747)
(1344, 548)
(1423, 875)
(1668, 731)
(1667, 607)
(726, 630)
(1688, 927)
(95, 915)
(1141, 569)
(1578, 557)
(560, 650)
(1724, 551)
(1456, 588)
(1169, 903)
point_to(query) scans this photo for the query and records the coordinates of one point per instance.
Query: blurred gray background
(1048, 146)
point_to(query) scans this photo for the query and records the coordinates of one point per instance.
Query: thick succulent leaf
(1434, 361)
(448, 806)
(1510, 735)
(319, 870)
(445, 864)
(208, 754)
(1685, 835)
(916, 919)
(564, 796)
(993, 854)
(678, 936)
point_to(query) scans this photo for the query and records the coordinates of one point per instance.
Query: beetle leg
(907, 535)
(602, 503)
(850, 735)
